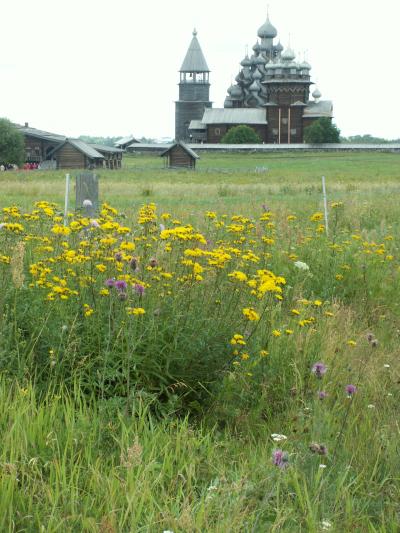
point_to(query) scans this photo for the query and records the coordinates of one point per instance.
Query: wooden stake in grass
(66, 199)
(325, 204)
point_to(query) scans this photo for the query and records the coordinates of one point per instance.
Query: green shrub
(241, 135)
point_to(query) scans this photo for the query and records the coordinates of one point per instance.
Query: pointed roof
(194, 60)
(81, 146)
(184, 146)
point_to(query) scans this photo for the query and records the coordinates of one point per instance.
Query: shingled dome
(267, 30)
(194, 60)
(246, 62)
(288, 55)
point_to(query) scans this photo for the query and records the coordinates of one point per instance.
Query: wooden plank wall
(179, 158)
(69, 157)
(36, 149)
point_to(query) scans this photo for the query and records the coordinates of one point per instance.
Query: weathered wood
(177, 156)
(87, 189)
(70, 157)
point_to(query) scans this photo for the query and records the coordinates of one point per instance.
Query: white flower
(87, 203)
(322, 466)
(325, 524)
(93, 222)
(386, 366)
(277, 437)
(371, 406)
(301, 266)
(162, 227)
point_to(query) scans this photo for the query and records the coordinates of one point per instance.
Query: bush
(126, 309)
(241, 135)
(12, 146)
(322, 131)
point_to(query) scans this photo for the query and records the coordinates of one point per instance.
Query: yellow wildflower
(87, 310)
(238, 339)
(136, 311)
(251, 314)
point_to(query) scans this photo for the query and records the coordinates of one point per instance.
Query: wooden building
(112, 156)
(194, 90)
(180, 156)
(51, 150)
(125, 142)
(271, 94)
(39, 144)
(74, 153)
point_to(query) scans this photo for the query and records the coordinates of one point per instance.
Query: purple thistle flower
(280, 458)
(139, 289)
(322, 394)
(120, 285)
(319, 369)
(118, 256)
(109, 282)
(351, 389)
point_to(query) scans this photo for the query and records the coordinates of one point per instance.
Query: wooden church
(271, 94)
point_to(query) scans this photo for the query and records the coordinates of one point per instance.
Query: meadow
(203, 355)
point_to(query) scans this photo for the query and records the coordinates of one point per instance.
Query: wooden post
(325, 204)
(66, 199)
(279, 126)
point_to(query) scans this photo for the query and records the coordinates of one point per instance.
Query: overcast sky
(109, 68)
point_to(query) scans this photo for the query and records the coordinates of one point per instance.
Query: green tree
(322, 131)
(12, 144)
(241, 135)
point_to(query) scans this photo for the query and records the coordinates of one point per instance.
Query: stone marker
(87, 193)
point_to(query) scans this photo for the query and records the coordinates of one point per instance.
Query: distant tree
(106, 141)
(241, 135)
(12, 144)
(322, 131)
(367, 139)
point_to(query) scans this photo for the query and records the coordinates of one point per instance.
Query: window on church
(293, 131)
(284, 121)
(217, 131)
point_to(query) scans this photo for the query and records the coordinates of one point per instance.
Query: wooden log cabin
(179, 155)
(39, 144)
(52, 150)
(112, 156)
(74, 153)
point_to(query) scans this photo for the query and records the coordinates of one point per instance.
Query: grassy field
(224, 181)
(203, 356)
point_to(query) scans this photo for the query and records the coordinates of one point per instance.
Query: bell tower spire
(194, 89)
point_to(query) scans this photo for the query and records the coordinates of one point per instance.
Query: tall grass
(163, 421)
